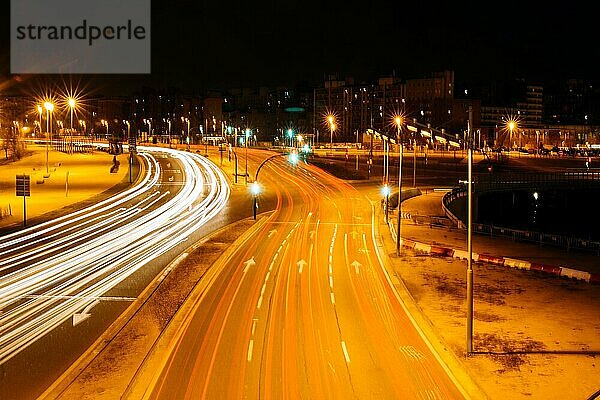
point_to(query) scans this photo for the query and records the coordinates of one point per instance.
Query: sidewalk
(71, 179)
(535, 336)
(503, 251)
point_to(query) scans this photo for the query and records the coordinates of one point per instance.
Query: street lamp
(511, 124)
(187, 120)
(255, 190)
(247, 135)
(290, 133)
(149, 123)
(386, 193)
(168, 121)
(40, 111)
(71, 102)
(331, 121)
(49, 106)
(398, 120)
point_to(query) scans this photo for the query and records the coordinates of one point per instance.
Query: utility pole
(469, 235)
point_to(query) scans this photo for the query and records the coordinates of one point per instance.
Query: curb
(497, 260)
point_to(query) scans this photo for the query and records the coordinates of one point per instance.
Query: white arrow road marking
(249, 263)
(301, 265)
(85, 314)
(356, 266)
(271, 233)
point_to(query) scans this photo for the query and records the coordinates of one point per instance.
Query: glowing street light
(255, 190)
(511, 125)
(331, 122)
(398, 121)
(385, 190)
(72, 103)
(40, 110)
(49, 106)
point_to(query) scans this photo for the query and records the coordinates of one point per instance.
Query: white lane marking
(259, 302)
(331, 282)
(332, 298)
(345, 352)
(250, 348)
(254, 321)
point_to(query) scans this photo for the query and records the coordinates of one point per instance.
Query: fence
(521, 235)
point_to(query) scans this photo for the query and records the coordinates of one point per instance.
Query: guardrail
(517, 234)
(538, 237)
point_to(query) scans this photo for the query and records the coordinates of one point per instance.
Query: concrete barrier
(422, 247)
(441, 251)
(575, 274)
(549, 269)
(520, 264)
(408, 243)
(491, 259)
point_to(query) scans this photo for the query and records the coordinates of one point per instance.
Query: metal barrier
(486, 183)
(543, 239)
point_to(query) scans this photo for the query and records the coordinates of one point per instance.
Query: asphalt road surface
(302, 309)
(63, 281)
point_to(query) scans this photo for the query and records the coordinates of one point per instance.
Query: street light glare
(255, 188)
(71, 102)
(49, 106)
(398, 120)
(385, 190)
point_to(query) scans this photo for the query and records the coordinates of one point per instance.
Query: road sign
(23, 185)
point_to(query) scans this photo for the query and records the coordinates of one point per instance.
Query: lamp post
(40, 111)
(168, 121)
(469, 235)
(187, 120)
(49, 108)
(246, 135)
(149, 123)
(511, 126)
(386, 192)
(398, 121)
(255, 189)
(71, 102)
(331, 121)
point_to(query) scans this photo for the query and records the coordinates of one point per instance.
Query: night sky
(200, 45)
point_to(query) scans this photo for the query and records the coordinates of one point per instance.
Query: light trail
(56, 269)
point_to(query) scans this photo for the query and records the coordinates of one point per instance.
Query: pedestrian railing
(543, 239)
(510, 182)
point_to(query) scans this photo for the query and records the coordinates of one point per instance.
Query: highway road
(302, 309)
(55, 275)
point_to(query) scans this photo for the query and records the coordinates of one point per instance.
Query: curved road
(58, 271)
(302, 309)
